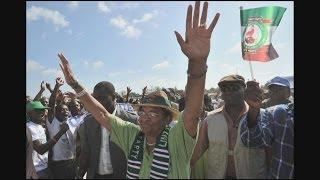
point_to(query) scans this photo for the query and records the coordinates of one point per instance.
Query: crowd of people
(239, 132)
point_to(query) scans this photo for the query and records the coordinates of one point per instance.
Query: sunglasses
(230, 88)
(276, 88)
(149, 114)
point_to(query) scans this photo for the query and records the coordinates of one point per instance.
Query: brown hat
(159, 99)
(232, 78)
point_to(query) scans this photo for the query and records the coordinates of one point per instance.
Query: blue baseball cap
(278, 81)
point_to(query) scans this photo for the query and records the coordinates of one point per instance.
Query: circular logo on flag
(255, 35)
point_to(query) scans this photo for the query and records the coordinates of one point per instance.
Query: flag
(257, 27)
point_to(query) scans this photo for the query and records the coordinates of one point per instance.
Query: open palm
(66, 69)
(197, 37)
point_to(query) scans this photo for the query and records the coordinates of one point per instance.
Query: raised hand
(49, 87)
(253, 94)
(144, 90)
(59, 81)
(196, 45)
(128, 90)
(42, 86)
(67, 72)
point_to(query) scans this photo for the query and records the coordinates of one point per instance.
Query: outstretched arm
(53, 98)
(42, 88)
(49, 87)
(257, 129)
(42, 148)
(128, 93)
(144, 90)
(196, 47)
(89, 102)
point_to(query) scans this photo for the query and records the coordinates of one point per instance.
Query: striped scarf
(160, 161)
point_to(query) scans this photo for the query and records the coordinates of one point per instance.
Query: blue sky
(133, 43)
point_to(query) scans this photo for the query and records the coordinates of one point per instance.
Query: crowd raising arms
(196, 46)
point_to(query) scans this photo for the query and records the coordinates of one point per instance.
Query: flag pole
(251, 71)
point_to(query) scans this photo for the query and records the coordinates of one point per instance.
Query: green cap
(35, 105)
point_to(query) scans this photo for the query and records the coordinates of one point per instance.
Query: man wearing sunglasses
(227, 156)
(279, 91)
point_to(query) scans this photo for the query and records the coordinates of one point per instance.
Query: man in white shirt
(36, 112)
(63, 153)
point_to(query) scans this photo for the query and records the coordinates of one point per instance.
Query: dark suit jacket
(90, 140)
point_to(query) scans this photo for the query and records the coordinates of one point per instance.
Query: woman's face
(152, 120)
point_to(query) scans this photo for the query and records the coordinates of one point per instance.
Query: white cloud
(164, 64)
(131, 32)
(36, 13)
(97, 64)
(73, 4)
(52, 72)
(119, 22)
(146, 17)
(37, 67)
(33, 66)
(128, 30)
(102, 6)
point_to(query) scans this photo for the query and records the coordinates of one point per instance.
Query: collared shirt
(105, 165)
(272, 130)
(232, 136)
(65, 147)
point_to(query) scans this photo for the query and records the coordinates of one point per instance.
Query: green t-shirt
(181, 146)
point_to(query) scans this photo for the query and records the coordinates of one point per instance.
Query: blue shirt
(274, 129)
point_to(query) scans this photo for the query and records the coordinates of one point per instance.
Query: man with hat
(279, 91)
(36, 126)
(273, 129)
(154, 149)
(227, 156)
(99, 156)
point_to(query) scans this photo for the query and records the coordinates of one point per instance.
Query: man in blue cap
(279, 92)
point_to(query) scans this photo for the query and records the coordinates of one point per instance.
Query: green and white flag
(257, 28)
